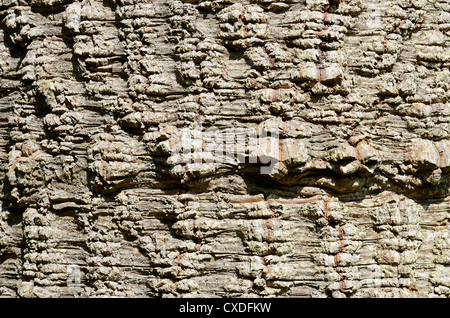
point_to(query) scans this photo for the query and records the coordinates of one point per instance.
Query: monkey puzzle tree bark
(154, 148)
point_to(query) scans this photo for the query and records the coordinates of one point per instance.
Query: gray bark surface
(96, 201)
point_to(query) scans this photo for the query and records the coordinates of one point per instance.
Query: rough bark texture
(92, 93)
